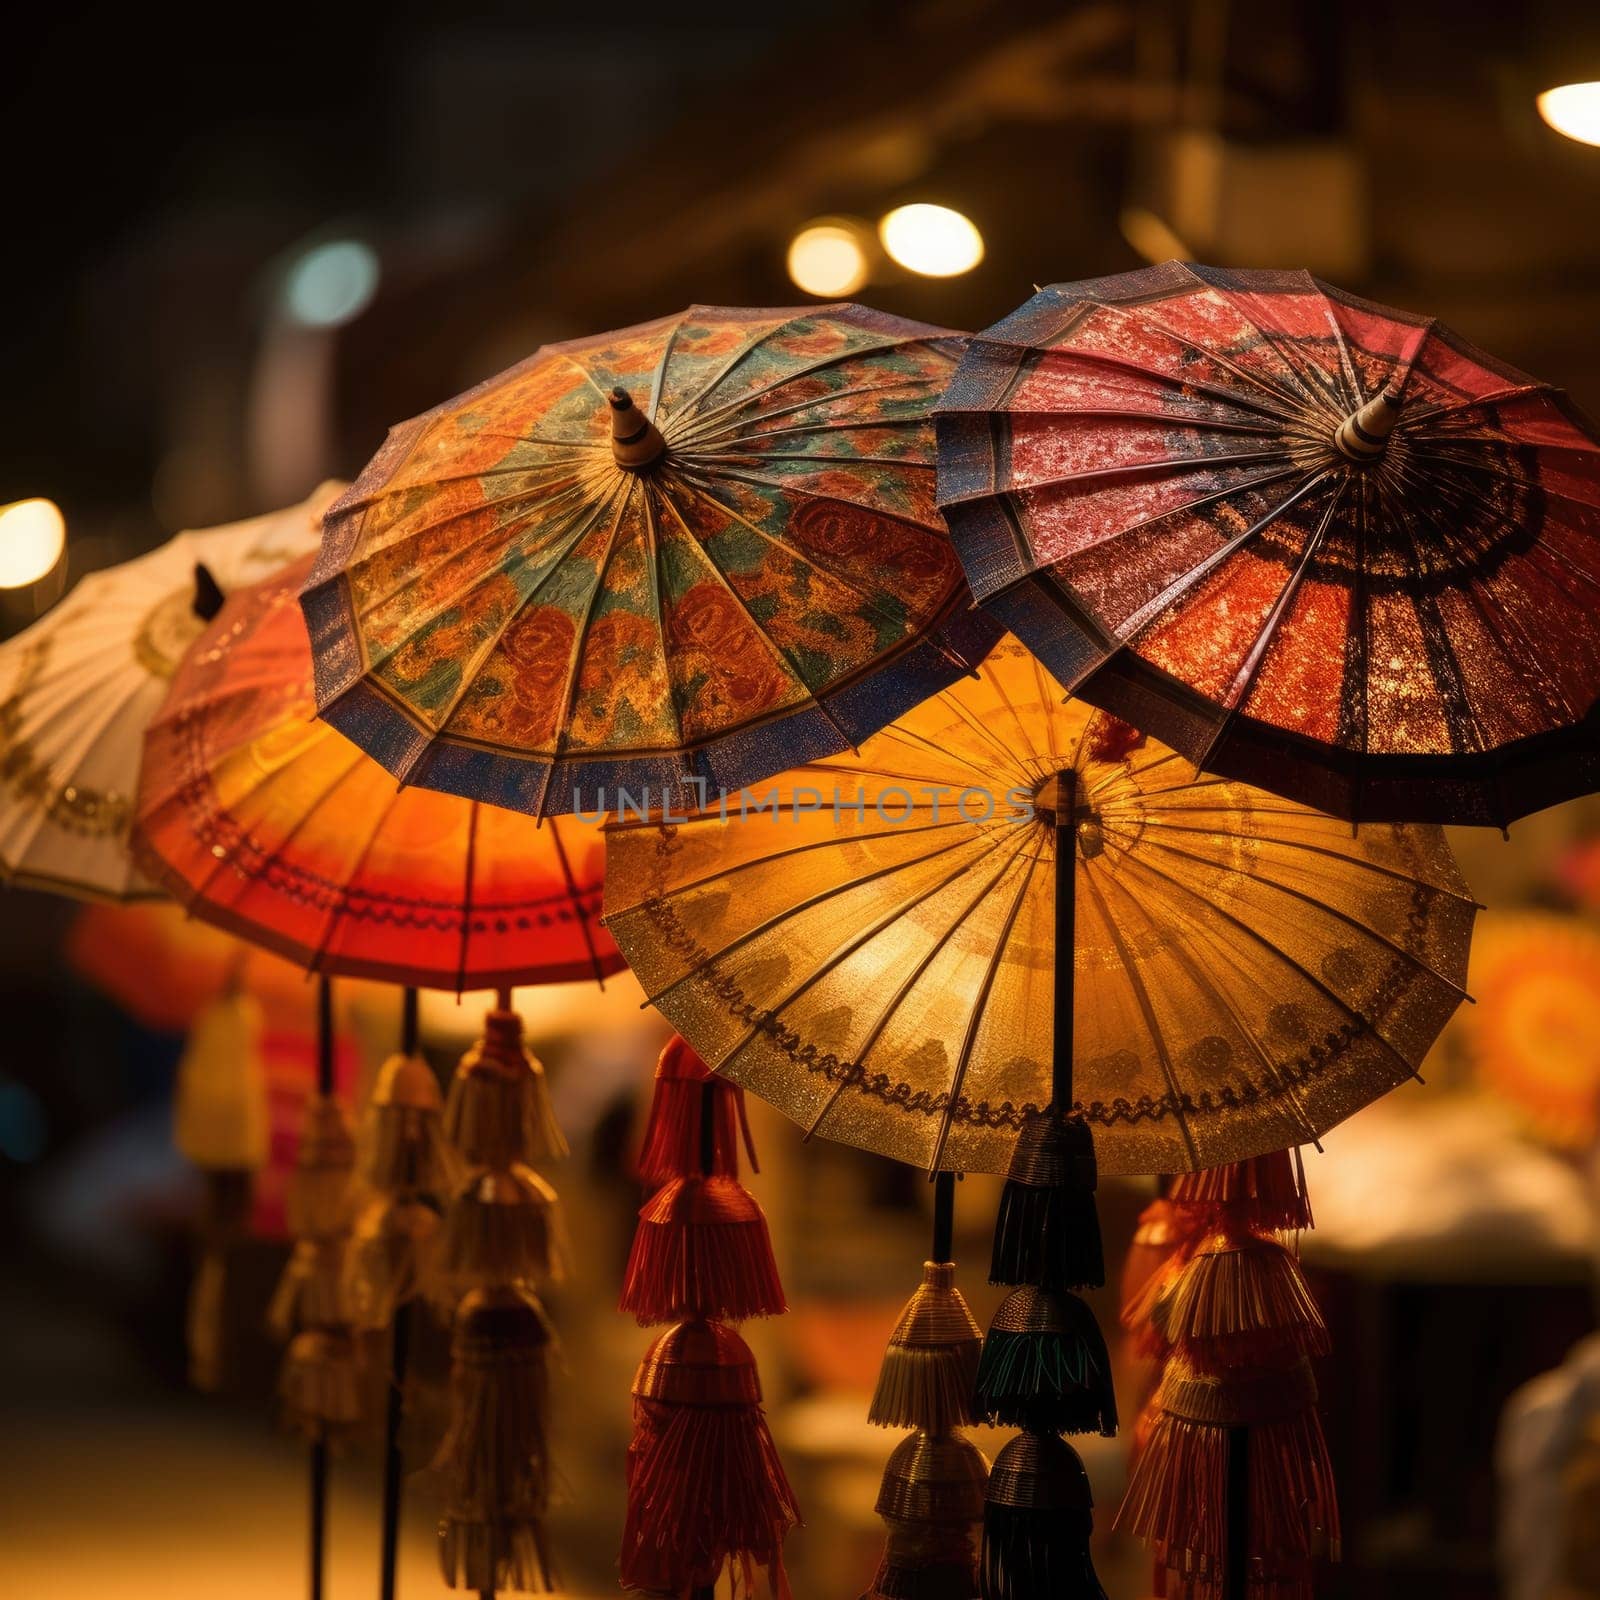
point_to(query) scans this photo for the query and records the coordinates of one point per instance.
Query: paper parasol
(273, 825)
(1329, 548)
(1247, 971)
(78, 687)
(703, 546)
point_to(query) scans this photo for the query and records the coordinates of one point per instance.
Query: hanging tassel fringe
(1048, 1230)
(320, 1382)
(951, 1581)
(932, 1561)
(403, 1147)
(706, 1489)
(498, 1112)
(392, 1259)
(503, 1228)
(220, 1116)
(702, 1250)
(1266, 1194)
(506, 1556)
(1177, 1496)
(318, 1199)
(672, 1136)
(1239, 1300)
(494, 1449)
(310, 1291)
(931, 1365)
(1045, 1366)
(1037, 1523)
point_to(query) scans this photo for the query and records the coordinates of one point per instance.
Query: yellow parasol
(878, 958)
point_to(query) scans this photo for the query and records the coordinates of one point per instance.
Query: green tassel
(1045, 1366)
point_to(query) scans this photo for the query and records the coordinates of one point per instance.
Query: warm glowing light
(32, 534)
(1573, 109)
(826, 259)
(331, 284)
(932, 240)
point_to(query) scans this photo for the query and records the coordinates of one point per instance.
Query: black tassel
(1045, 1366)
(945, 1581)
(1036, 1524)
(1048, 1230)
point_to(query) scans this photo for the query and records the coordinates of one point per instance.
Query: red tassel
(1177, 1496)
(702, 1250)
(1266, 1194)
(706, 1489)
(672, 1137)
(1239, 1300)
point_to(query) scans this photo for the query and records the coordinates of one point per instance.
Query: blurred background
(237, 250)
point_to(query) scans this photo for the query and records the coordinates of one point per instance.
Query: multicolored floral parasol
(78, 687)
(1310, 542)
(878, 959)
(274, 826)
(542, 587)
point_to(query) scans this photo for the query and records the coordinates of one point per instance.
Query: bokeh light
(932, 240)
(828, 259)
(1573, 109)
(331, 284)
(32, 536)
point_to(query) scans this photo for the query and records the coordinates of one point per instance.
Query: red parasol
(1308, 541)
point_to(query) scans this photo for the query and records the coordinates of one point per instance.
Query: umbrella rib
(778, 652)
(1155, 841)
(658, 380)
(1150, 469)
(588, 376)
(1470, 463)
(1492, 397)
(749, 396)
(1366, 863)
(1291, 402)
(1314, 979)
(1308, 377)
(469, 874)
(1201, 977)
(1202, 570)
(575, 896)
(821, 897)
(1346, 359)
(685, 406)
(695, 437)
(857, 1068)
(830, 842)
(653, 562)
(842, 953)
(413, 576)
(489, 645)
(569, 693)
(1533, 658)
(1168, 380)
(975, 1019)
(390, 490)
(1244, 680)
(695, 484)
(1435, 635)
(1141, 995)
(336, 911)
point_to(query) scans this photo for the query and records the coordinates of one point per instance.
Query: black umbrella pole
(944, 1216)
(319, 1513)
(1066, 939)
(1236, 1559)
(393, 1462)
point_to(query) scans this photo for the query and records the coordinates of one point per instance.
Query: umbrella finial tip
(620, 398)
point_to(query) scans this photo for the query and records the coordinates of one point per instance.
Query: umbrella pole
(1236, 1558)
(944, 1216)
(1066, 940)
(319, 1446)
(399, 1361)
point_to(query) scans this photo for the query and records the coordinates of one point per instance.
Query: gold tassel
(498, 1112)
(931, 1366)
(934, 1480)
(311, 1289)
(494, 1451)
(320, 1382)
(503, 1228)
(318, 1201)
(403, 1147)
(393, 1258)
